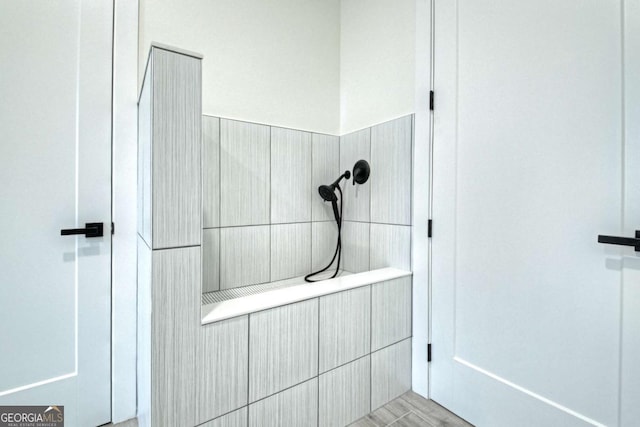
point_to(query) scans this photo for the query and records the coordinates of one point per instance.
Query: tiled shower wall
(263, 219)
(324, 361)
(377, 215)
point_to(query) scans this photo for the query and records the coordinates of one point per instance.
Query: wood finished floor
(130, 423)
(411, 410)
(408, 410)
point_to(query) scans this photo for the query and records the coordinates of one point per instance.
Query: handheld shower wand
(328, 193)
(361, 173)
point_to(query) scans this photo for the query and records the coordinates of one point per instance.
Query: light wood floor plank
(412, 420)
(411, 410)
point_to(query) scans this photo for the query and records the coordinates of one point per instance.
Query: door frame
(124, 210)
(421, 198)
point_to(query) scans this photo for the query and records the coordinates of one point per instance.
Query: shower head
(327, 192)
(361, 171)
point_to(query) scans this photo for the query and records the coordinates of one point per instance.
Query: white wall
(377, 61)
(274, 62)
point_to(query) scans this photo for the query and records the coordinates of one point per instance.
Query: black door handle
(92, 229)
(625, 241)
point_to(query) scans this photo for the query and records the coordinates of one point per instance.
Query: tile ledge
(270, 299)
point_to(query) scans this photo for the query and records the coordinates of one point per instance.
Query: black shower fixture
(361, 172)
(328, 192)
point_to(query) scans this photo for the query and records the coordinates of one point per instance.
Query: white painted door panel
(55, 170)
(528, 170)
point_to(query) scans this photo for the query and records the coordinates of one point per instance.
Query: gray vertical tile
(390, 246)
(144, 158)
(355, 246)
(175, 324)
(210, 171)
(176, 150)
(324, 236)
(390, 373)
(390, 312)
(210, 259)
(290, 176)
(345, 327)
(244, 256)
(325, 169)
(283, 348)
(353, 147)
(290, 250)
(222, 367)
(295, 407)
(391, 151)
(233, 419)
(244, 173)
(345, 393)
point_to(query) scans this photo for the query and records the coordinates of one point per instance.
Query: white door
(536, 152)
(55, 150)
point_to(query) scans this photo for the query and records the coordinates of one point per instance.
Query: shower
(360, 175)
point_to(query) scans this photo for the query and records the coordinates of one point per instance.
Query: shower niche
(268, 204)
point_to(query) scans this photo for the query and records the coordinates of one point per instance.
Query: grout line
(176, 247)
(317, 377)
(318, 370)
(312, 205)
(370, 348)
(283, 390)
(344, 364)
(411, 194)
(248, 362)
(370, 187)
(266, 224)
(219, 203)
(217, 417)
(392, 344)
(270, 198)
(377, 223)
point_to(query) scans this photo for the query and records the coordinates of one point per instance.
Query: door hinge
(431, 96)
(113, 229)
(430, 229)
(428, 352)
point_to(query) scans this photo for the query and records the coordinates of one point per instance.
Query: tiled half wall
(326, 361)
(263, 220)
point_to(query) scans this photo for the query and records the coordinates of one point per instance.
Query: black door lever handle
(625, 241)
(92, 229)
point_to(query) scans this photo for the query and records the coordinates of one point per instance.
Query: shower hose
(338, 252)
